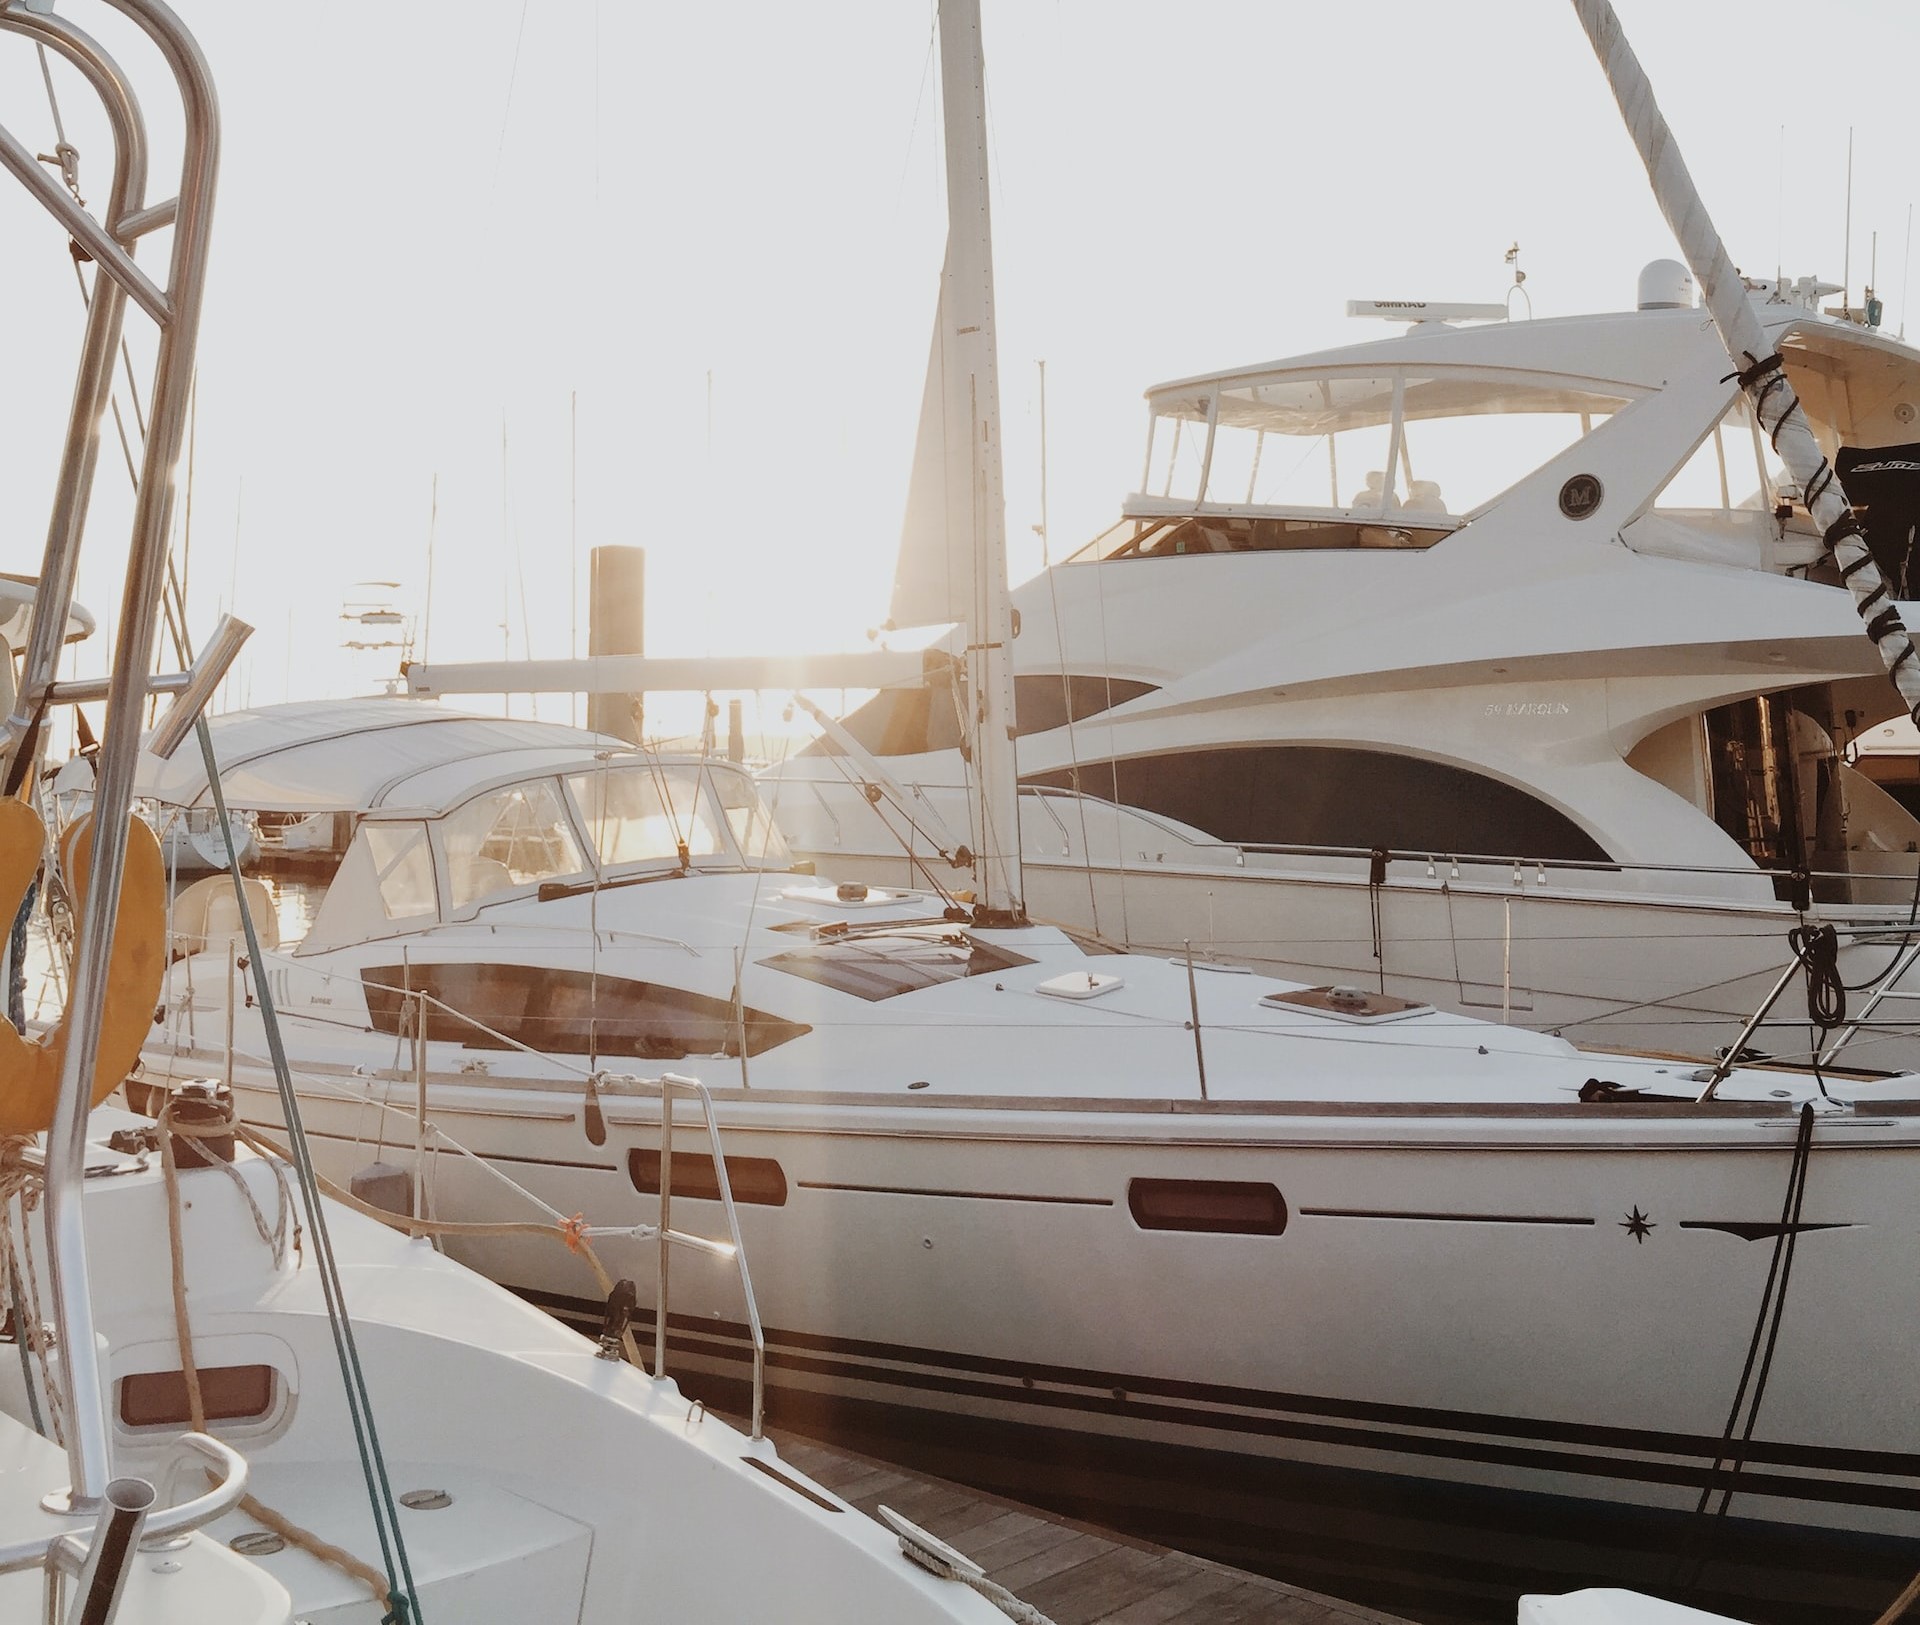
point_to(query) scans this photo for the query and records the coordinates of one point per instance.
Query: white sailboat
(232, 1401)
(1207, 1233)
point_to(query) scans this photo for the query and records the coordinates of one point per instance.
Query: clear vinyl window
(509, 838)
(403, 869)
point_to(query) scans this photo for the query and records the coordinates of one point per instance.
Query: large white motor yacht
(1493, 664)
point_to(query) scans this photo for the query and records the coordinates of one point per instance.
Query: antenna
(1512, 258)
(1906, 268)
(1780, 214)
(1042, 526)
(433, 526)
(573, 497)
(1846, 252)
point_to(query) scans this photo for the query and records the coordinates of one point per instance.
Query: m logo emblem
(1580, 496)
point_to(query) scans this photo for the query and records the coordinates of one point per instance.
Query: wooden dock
(1072, 1572)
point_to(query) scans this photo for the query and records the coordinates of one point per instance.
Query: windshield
(1437, 442)
(646, 814)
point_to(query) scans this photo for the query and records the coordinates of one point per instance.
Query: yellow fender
(30, 1067)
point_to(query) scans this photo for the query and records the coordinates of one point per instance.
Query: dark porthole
(229, 1393)
(756, 1180)
(1234, 1207)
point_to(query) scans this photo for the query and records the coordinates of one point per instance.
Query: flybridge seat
(1883, 484)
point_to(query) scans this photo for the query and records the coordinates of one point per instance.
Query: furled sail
(935, 578)
(1761, 372)
(953, 549)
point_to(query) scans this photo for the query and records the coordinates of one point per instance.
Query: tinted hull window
(568, 1012)
(1309, 795)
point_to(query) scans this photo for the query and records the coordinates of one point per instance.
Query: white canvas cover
(340, 755)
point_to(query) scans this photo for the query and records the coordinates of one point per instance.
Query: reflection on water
(296, 899)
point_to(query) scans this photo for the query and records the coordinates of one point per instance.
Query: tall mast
(953, 548)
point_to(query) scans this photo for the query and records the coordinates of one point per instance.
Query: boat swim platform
(1072, 1572)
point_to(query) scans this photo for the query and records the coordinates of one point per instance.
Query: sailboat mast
(1761, 372)
(971, 358)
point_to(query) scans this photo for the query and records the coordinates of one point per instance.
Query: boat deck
(1072, 1572)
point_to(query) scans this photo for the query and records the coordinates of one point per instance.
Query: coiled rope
(1818, 949)
(944, 1568)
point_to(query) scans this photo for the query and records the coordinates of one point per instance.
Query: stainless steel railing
(663, 1234)
(100, 1564)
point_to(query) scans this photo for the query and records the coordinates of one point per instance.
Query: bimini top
(343, 755)
(1634, 351)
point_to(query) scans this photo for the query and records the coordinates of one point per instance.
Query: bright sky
(718, 229)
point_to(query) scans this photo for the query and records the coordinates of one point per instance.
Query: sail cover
(1883, 483)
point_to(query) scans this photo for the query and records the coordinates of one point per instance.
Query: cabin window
(1727, 470)
(509, 838)
(748, 821)
(645, 814)
(1438, 442)
(1324, 796)
(568, 1012)
(230, 1393)
(1216, 533)
(403, 868)
(883, 964)
(759, 1181)
(1238, 1207)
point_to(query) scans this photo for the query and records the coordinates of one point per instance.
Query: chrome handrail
(65, 1552)
(667, 1082)
(1524, 861)
(175, 309)
(663, 1234)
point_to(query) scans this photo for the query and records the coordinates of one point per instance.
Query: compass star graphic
(1638, 1225)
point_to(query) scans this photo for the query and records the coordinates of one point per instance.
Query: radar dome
(1666, 285)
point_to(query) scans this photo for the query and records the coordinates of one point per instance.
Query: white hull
(1459, 1294)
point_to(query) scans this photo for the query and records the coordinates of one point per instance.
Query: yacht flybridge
(1498, 665)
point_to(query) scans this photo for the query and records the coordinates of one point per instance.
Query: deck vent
(1354, 1004)
(1080, 984)
(847, 895)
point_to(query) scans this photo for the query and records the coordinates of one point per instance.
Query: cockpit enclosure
(606, 819)
(1366, 457)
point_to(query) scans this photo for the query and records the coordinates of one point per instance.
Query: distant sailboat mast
(953, 547)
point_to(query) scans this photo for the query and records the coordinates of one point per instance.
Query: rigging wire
(359, 1400)
(1760, 1350)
